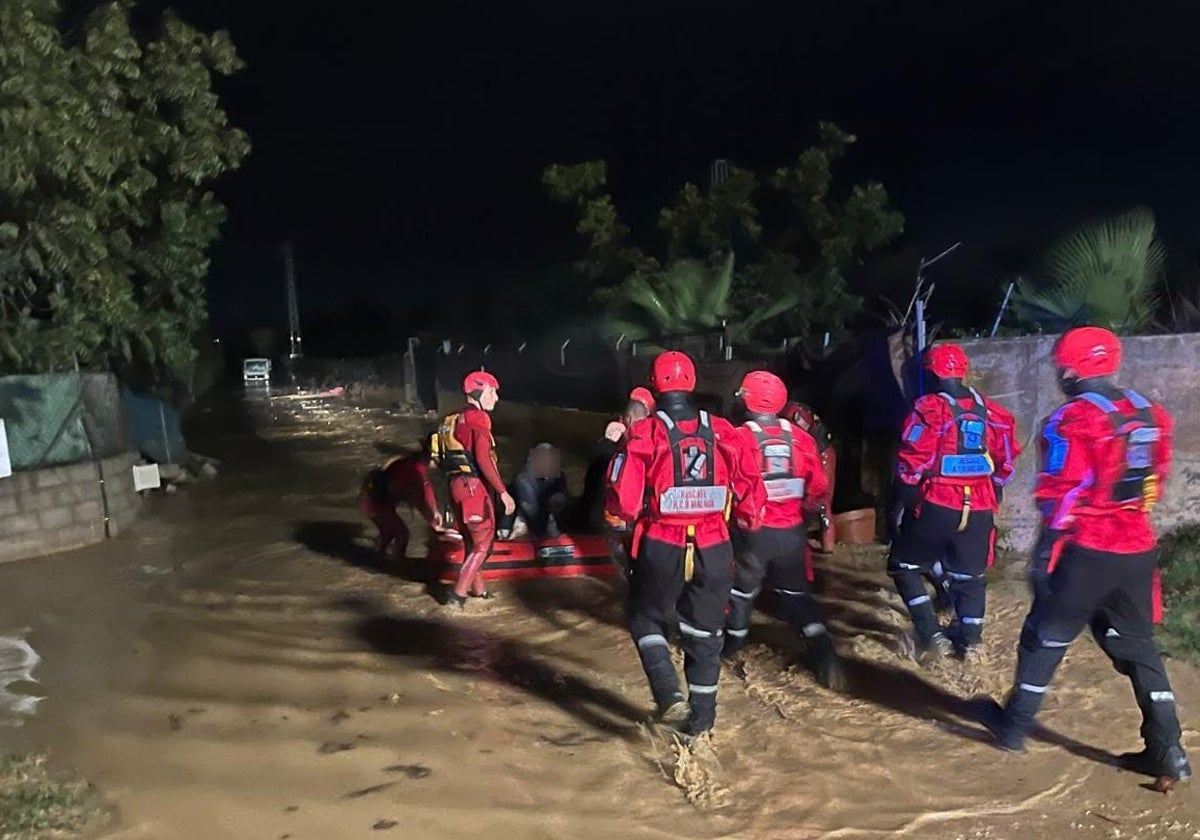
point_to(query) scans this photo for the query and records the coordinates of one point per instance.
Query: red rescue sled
(566, 556)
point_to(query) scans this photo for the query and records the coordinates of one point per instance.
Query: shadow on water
(447, 648)
(341, 541)
(596, 599)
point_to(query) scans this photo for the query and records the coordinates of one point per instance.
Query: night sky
(400, 145)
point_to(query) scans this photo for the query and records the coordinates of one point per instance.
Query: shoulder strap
(754, 427)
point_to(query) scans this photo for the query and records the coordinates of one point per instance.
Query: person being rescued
(540, 489)
(402, 480)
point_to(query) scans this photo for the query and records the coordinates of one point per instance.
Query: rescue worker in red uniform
(466, 452)
(803, 416)
(400, 480)
(956, 453)
(778, 555)
(1104, 457)
(676, 477)
(640, 405)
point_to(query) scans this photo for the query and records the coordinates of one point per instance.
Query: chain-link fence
(153, 428)
(65, 418)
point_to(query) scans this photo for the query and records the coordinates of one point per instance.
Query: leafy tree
(109, 144)
(798, 259)
(608, 257)
(1108, 273)
(709, 224)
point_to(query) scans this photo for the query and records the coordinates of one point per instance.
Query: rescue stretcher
(526, 558)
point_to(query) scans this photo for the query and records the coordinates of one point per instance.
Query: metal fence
(65, 418)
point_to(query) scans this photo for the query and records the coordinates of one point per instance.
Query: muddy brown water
(235, 667)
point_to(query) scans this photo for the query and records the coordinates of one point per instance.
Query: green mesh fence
(63, 418)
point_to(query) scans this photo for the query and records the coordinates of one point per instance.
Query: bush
(1180, 562)
(35, 806)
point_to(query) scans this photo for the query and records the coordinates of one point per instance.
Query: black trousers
(772, 558)
(939, 534)
(658, 597)
(1111, 594)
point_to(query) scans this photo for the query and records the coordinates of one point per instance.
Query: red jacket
(1084, 457)
(803, 464)
(643, 487)
(474, 432)
(407, 482)
(935, 446)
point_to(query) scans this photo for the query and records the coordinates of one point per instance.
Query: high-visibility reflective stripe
(923, 599)
(745, 596)
(814, 629)
(702, 689)
(1050, 643)
(738, 634)
(689, 630)
(653, 640)
(1036, 689)
(972, 621)
(1162, 696)
(791, 591)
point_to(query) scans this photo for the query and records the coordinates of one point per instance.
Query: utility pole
(296, 346)
(718, 173)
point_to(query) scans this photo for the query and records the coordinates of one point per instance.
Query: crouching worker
(778, 555)
(678, 473)
(403, 480)
(1105, 454)
(465, 452)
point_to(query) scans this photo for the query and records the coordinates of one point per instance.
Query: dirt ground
(235, 667)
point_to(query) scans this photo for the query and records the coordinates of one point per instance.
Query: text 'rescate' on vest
(969, 458)
(694, 489)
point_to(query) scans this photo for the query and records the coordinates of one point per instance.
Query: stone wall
(59, 508)
(1019, 374)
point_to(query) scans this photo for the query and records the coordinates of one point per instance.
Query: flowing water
(235, 666)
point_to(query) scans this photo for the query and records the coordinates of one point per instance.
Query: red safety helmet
(763, 392)
(1085, 352)
(946, 361)
(672, 371)
(643, 396)
(477, 380)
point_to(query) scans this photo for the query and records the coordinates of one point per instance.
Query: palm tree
(1106, 273)
(686, 297)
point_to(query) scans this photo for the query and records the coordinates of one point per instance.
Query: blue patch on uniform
(1057, 447)
(915, 433)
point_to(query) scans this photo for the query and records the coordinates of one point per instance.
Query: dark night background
(400, 145)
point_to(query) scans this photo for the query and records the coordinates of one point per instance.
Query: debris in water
(384, 825)
(358, 794)
(330, 747)
(17, 661)
(175, 722)
(413, 771)
(339, 716)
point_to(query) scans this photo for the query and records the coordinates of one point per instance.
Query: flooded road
(235, 667)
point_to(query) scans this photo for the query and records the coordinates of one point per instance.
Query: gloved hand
(1049, 545)
(900, 506)
(999, 488)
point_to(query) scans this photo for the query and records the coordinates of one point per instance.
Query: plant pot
(855, 527)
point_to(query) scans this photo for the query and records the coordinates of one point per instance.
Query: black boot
(1169, 761)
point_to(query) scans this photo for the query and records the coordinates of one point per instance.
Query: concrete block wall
(1019, 374)
(59, 508)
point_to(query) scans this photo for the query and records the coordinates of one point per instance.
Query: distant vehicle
(256, 371)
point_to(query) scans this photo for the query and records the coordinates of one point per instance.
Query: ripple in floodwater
(17, 661)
